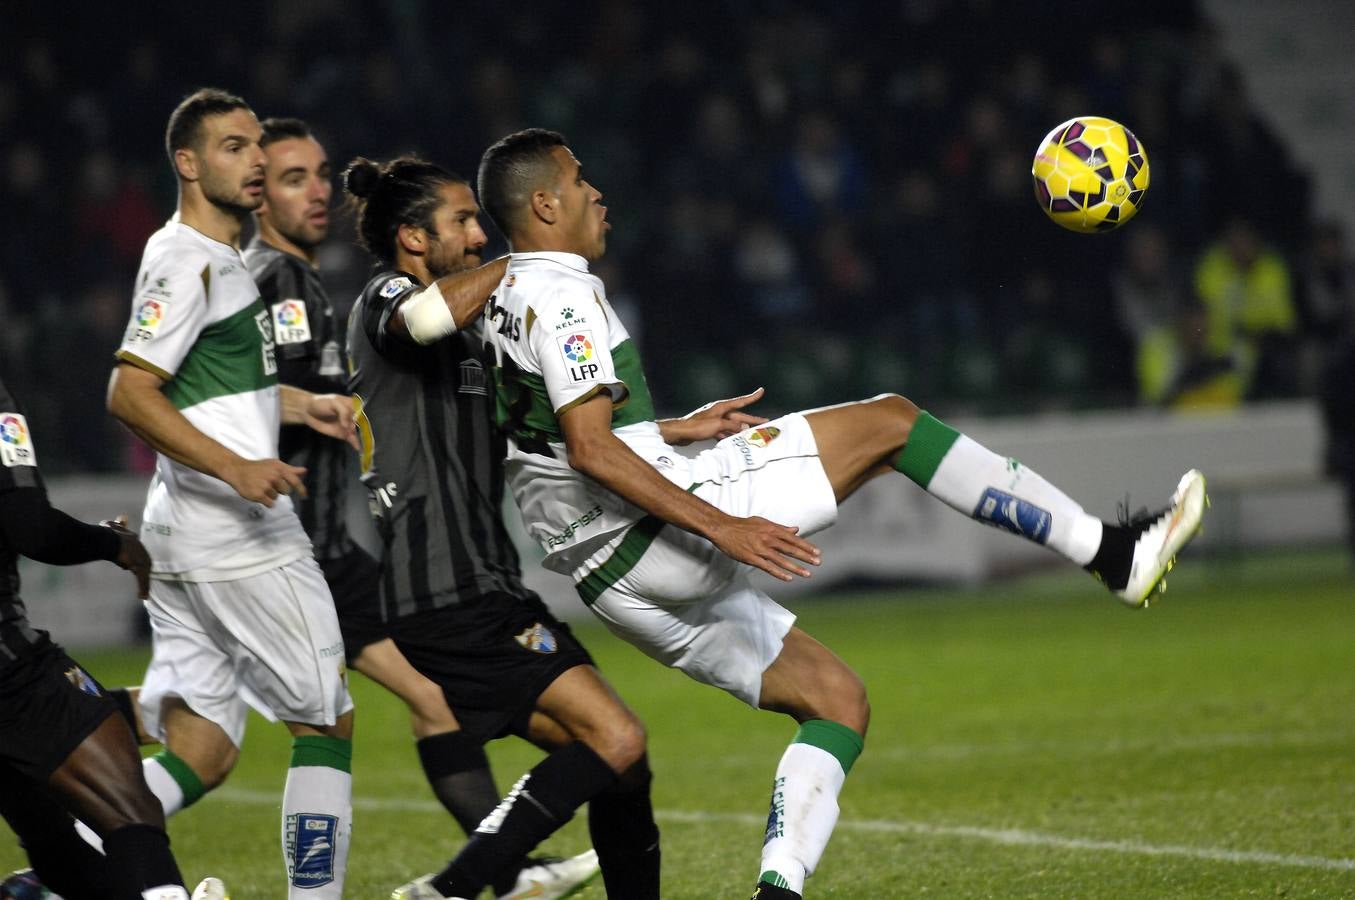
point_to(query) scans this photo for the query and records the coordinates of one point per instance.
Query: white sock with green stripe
(996, 491)
(317, 816)
(804, 801)
(172, 782)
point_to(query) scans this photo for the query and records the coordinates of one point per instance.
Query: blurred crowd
(831, 200)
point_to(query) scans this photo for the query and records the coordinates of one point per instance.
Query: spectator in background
(1246, 290)
(1148, 291)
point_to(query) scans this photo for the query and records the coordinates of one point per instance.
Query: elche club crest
(761, 437)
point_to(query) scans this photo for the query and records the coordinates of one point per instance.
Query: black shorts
(48, 705)
(355, 581)
(492, 657)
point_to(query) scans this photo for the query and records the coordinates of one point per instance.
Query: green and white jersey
(557, 342)
(198, 323)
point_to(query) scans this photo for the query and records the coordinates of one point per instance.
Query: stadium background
(833, 200)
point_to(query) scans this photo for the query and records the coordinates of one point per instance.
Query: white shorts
(688, 605)
(270, 641)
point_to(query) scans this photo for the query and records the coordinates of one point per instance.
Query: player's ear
(546, 206)
(186, 164)
(412, 238)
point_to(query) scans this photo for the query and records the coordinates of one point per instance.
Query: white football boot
(210, 889)
(1161, 537)
(549, 878)
(420, 888)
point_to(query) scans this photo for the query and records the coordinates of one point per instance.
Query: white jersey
(558, 343)
(198, 323)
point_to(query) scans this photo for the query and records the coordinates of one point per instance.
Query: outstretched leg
(858, 441)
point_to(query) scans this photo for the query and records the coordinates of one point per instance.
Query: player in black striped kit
(64, 748)
(292, 223)
(452, 586)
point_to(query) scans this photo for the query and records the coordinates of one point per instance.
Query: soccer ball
(1090, 174)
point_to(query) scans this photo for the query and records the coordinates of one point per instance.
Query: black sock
(1115, 555)
(139, 858)
(542, 801)
(66, 865)
(621, 824)
(458, 771)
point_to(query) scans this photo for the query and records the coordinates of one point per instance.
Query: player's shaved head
(184, 131)
(515, 167)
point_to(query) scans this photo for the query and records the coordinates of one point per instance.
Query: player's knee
(212, 770)
(844, 699)
(896, 408)
(622, 742)
(895, 415)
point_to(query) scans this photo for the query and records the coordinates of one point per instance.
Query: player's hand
(132, 554)
(715, 420)
(333, 414)
(262, 480)
(776, 549)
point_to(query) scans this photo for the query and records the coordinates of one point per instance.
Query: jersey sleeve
(379, 302)
(298, 317)
(574, 350)
(169, 311)
(18, 456)
(283, 291)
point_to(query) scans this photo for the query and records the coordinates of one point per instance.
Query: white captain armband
(426, 316)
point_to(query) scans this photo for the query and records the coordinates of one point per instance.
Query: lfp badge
(577, 350)
(16, 447)
(290, 325)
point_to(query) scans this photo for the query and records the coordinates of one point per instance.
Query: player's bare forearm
(136, 400)
(599, 454)
(330, 414)
(467, 292)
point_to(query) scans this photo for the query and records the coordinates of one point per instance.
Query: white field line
(1135, 745)
(1005, 836)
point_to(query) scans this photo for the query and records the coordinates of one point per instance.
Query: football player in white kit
(240, 613)
(657, 544)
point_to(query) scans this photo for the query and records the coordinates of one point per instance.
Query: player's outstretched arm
(448, 304)
(135, 399)
(599, 454)
(32, 527)
(716, 420)
(330, 414)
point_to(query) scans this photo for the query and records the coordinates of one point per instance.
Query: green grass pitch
(1030, 739)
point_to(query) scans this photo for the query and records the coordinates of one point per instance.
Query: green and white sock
(996, 491)
(804, 801)
(317, 816)
(172, 782)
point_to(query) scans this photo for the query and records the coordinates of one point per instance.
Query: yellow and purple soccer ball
(1090, 174)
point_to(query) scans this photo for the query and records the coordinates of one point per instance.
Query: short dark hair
(513, 168)
(403, 191)
(185, 123)
(281, 128)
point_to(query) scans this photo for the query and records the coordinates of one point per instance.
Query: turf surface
(1029, 739)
